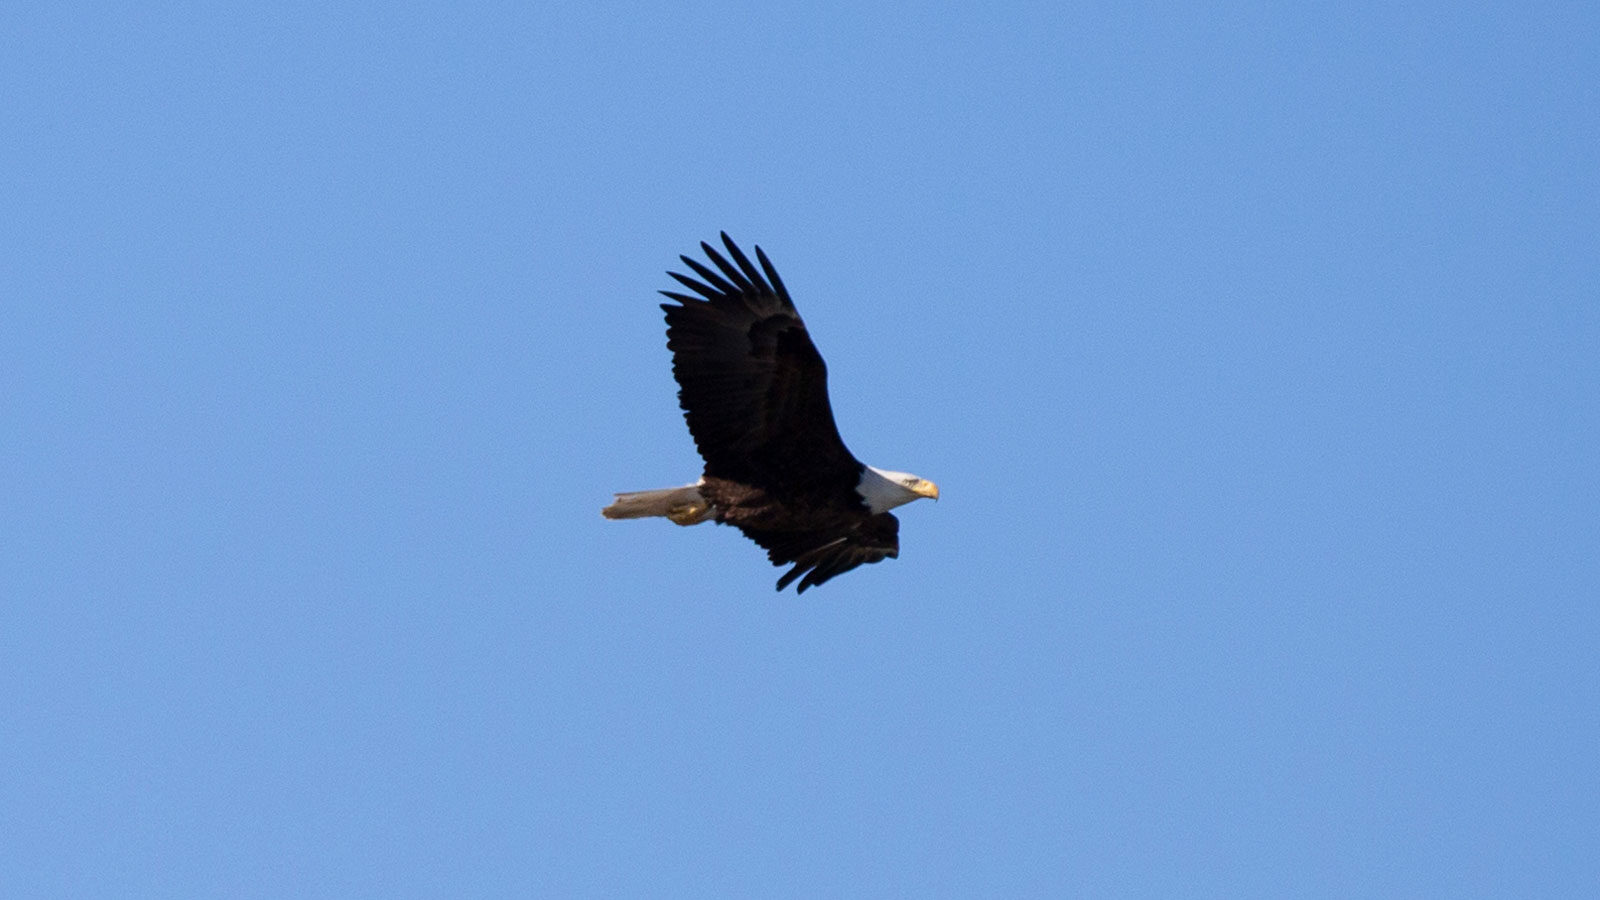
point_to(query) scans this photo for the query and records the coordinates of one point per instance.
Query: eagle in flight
(754, 391)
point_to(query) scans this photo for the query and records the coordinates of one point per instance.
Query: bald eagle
(754, 391)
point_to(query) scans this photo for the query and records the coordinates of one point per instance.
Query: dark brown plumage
(754, 391)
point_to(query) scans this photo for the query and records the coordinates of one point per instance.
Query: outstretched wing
(753, 388)
(820, 555)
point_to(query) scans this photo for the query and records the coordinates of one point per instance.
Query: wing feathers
(697, 287)
(819, 556)
(753, 388)
(733, 274)
(711, 278)
(743, 261)
(772, 274)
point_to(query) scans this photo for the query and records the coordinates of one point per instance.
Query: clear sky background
(1255, 347)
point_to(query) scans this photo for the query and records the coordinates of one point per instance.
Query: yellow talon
(687, 513)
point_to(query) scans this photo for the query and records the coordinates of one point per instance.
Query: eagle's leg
(692, 513)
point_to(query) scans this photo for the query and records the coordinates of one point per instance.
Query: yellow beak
(926, 488)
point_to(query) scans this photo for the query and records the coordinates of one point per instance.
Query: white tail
(683, 505)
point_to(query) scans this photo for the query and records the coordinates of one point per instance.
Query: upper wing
(820, 555)
(753, 387)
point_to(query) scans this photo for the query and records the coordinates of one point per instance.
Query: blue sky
(1255, 347)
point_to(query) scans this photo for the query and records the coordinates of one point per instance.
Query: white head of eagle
(754, 391)
(883, 490)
